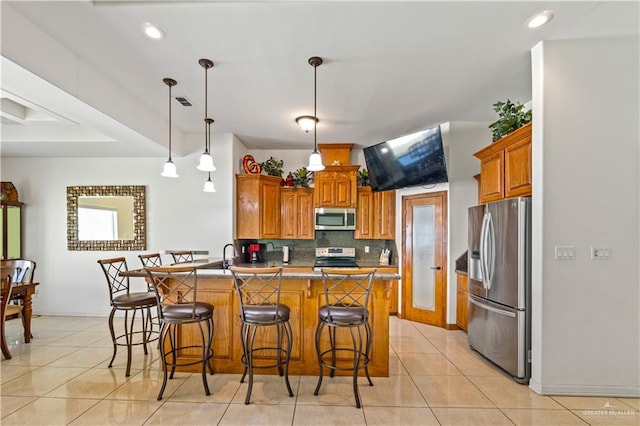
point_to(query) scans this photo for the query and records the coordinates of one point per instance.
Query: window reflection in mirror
(109, 218)
(105, 218)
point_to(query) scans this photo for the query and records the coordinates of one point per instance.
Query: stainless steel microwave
(331, 218)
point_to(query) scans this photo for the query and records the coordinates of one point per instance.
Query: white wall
(586, 323)
(179, 216)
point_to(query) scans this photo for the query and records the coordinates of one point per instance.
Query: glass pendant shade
(169, 170)
(206, 163)
(208, 186)
(306, 122)
(315, 162)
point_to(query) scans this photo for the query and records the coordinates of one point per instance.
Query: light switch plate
(565, 252)
(600, 253)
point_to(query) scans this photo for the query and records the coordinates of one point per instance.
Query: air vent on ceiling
(183, 100)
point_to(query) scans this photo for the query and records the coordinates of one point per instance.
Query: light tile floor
(62, 378)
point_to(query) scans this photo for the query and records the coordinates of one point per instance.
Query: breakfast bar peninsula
(302, 291)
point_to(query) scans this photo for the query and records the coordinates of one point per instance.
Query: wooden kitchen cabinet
(257, 206)
(462, 309)
(11, 230)
(297, 216)
(393, 288)
(335, 186)
(505, 166)
(376, 214)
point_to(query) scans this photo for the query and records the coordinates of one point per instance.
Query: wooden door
(305, 216)
(289, 213)
(270, 209)
(424, 261)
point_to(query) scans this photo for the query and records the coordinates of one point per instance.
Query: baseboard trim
(585, 390)
(451, 327)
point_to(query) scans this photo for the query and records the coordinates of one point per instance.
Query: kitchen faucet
(226, 263)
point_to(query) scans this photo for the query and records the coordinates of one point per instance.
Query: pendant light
(206, 161)
(208, 185)
(306, 122)
(315, 159)
(169, 169)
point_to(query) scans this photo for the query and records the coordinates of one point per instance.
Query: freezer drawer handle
(492, 309)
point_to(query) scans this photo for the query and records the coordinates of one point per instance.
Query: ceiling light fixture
(208, 185)
(315, 159)
(539, 19)
(152, 31)
(206, 161)
(306, 122)
(169, 169)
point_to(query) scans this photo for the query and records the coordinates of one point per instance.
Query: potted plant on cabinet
(512, 117)
(363, 178)
(273, 167)
(302, 177)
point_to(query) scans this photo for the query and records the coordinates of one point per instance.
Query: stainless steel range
(335, 257)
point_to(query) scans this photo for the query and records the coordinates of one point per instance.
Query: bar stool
(182, 256)
(150, 259)
(122, 299)
(176, 289)
(346, 297)
(258, 291)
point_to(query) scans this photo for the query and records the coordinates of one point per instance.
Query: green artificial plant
(363, 177)
(512, 117)
(302, 177)
(273, 167)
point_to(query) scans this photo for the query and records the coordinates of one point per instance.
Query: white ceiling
(390, 68)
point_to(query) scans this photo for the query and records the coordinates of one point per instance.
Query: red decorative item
(250, 166)
(289, 180)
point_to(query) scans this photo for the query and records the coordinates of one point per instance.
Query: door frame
(441, 223)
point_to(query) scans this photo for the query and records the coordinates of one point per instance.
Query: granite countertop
(212, 268)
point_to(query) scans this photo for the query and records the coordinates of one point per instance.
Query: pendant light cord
(315, 117)
(170, 122)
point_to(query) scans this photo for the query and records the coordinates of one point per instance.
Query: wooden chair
(7, 309)
(23, 269)
(182, 256)
(150, 259)
(22, 272)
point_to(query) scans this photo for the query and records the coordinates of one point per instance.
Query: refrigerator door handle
(483, 251)
(492, 309)
(491, 248)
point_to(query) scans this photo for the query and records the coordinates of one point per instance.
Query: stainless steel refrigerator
(499, 271)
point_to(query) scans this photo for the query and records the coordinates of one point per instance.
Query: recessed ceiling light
(539, 19)
(152, 31)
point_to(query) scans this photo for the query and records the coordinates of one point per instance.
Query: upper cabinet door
(297, 213)
(335, 187)
(505, 166)
(257, 206)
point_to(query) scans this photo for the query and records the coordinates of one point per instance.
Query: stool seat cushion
(180, 311)
(135, 299)
(265, 314)
(342, 314)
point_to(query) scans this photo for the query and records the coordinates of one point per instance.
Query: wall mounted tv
(411, 160)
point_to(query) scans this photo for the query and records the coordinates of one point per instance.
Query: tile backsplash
(304, 250)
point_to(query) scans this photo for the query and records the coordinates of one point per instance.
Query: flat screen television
(411, 160)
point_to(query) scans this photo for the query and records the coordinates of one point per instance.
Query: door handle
(437, 268)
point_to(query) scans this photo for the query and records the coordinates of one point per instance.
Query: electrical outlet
(366, 249)
(565, 252)
(600, 253)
